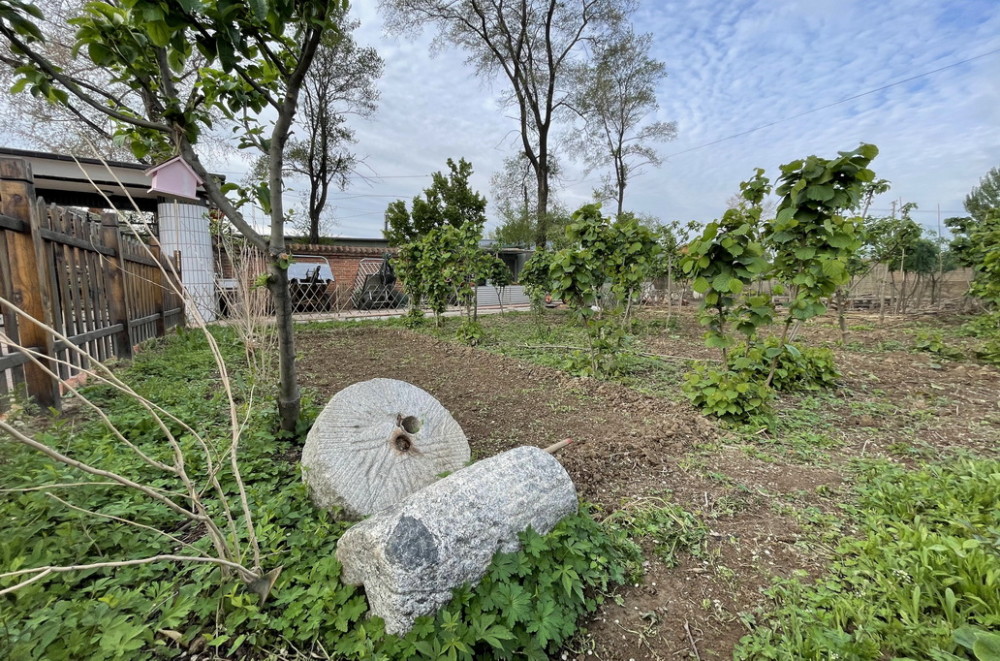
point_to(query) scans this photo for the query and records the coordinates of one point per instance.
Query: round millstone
(375, 443)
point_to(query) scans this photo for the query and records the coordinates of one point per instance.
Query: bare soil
(762, 500)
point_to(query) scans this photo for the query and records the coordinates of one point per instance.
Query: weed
(932, 342)
(732, 396)
(667, 525)
(925, 567)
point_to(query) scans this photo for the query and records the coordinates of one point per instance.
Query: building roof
(71, 181)
(325, 250)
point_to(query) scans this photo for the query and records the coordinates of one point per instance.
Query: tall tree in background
(187, 63)
(515, 199)
(71, 127)
(533, 44)
(341, 82)
(985, 197)
(448, 201)
(615, 94)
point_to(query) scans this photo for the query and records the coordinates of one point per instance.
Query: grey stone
(375, 443)
(411, 556)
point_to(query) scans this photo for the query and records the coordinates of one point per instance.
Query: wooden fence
(103, 290)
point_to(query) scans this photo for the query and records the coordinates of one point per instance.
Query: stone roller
(375, 443)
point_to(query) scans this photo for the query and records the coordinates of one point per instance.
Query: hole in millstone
(401, 441)
(410, 423)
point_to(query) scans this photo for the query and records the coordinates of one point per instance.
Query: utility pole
(940, 242)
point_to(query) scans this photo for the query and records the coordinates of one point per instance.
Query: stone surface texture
(375, 443)
(410, 556)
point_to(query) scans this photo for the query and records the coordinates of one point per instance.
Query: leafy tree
(444, 265)
(190, 62)
(984, 255)
(901, 245)
(673, 240)
(985, 197)
(448, 201)
(809, 243)
(515, 193)
(70, 127)
(614, 94)
(597, 277)
(811, 239)
(887, 239)
(724, 261)
(960, 244)
(533, 45)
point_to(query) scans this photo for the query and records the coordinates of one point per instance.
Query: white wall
(184, 227)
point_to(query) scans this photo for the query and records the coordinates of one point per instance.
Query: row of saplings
(804, 252)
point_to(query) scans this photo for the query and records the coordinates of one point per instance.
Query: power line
(835, 103)
(352, 196)
(922, 211)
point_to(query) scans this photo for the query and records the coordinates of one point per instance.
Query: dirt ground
(766, 500)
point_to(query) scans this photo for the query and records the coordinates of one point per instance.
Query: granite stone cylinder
(411, 556)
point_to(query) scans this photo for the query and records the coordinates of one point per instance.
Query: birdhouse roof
(177, 162)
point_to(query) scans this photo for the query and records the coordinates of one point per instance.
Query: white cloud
(733, 66)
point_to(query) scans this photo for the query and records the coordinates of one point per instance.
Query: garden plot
(720, 511)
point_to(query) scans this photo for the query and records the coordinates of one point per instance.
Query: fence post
(32, 291)
(158, 285)
(115, 277)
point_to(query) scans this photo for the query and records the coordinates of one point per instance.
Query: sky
(773, 73)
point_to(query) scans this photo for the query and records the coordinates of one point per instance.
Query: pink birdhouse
(174, 178)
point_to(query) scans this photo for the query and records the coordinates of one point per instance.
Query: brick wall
(343, 261)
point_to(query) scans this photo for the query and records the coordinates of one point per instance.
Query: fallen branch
(42, 572)
(555, 447)
(694, 648)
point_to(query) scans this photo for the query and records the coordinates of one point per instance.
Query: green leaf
(259, 9)
(19, 86)
(805, 253)
(159, 33)
(820, 193)
(701, 285)
(833, 269)
(840, 240)
(99, 54)
(987, 646)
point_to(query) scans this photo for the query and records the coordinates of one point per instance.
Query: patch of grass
(669, 527)
(799, 446)
(924, 567)
(881, 346)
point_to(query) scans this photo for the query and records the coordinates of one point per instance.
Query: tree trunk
(314, 227)
(288, 390)
(841, 314)
(670, 289)
(881, 295)
(542, 208)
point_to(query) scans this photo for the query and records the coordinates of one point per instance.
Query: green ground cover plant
(527, 606)
(920, 581)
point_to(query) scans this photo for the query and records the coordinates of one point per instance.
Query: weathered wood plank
(117, 302)
(31, 289)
